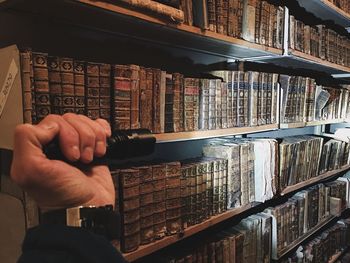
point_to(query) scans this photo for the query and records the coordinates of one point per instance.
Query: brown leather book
(67, 83)
(79, 86)
(26, 65)
(41, 85)
(178, 102)
(135, 97)
(105, 91)
(92, 91)
(55, 82)
(169, 104)
(159, 85)
(146, 97)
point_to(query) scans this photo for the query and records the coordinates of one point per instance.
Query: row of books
(163, 198)
(260, 237)
(324, 246)
(342, 4)
(304, 101)
(319, 41)
(248, 242)
(304, 211)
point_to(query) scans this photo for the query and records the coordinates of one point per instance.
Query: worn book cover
(55, 85)
(67, 82)
(92, 91)
(105, 91)
(79, 86)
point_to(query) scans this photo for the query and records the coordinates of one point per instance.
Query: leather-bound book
(189, 91)
(41, 85)
(169, 104)
(159, 86)
(105, 91)
(178, 102)
(26, 81)
(55, 83)
(92, 90)
(67, 80)
(79, 86)
(146, 97)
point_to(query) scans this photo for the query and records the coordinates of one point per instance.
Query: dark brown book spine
(105, 91)
(146, 95)
(26, 86)
(159, 209)
(178, 87)
(79, 87)
(67, 80)
(212, 15)
(41, 85)
(185, 194)
(135, 97)
(158, 103)
(189, 92)
(122, 97)
(146, 204)
(169, 104)
(55, 85)
(129, 182)
(92, 91)
(173, 198)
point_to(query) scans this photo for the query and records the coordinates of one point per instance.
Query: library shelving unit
(124, 22)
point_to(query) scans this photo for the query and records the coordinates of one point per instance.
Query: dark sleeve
(63, 244)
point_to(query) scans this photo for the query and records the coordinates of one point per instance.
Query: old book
(173, 198)
(26, 64)
(92, 91)
(218, 104)
(219, 12)
(212, 109)
(284, 81)
(67, 82)
(292, 32)
(146, 95)
(55, 83)
(41, 85)
(274, 98)
(196, 104)
(178, 104)
(200, 14)
(159, 86)
(235, 98)
(146, 204)
(169, 12)
(159, 197)
(169, 104)
(231, 18)
(264, 23)
(248, 20)
(271, 24)
(278, 36)
(204, 104)
(79, 86)
(230, 100)
(224, 105)
(253, 98)
(189, 91)
(307, 39)
(185, 193)
(242, 101)
(105, 92)
(129, 182)
(212, 15)
(269, 97)
(258, 13)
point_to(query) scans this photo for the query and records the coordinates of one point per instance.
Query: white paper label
(6, 87)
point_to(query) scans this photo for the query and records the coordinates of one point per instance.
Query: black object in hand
(123, 144)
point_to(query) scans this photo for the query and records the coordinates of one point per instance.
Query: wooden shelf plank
(298, 241)
(292, 125)
(313, 180)
(155, 246)
(195, 135)
(325, 122)
(327, 11)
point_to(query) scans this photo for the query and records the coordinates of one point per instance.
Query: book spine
(231, 18)
(291, 32)
(212, 109)
(204, 104)
(212, 15)
(173, 198)
(189, 92)
(105, 92)
(269, 97)
(55, 83)
(135, 97)
(169, 104)
(272, 22)
(210, 188)
(177, 102)
(248, 20)
(158, 100)
(184, 187)
(92, 91)
(26, 86)
(41, 85)
(199, 215)
(224, 105)
(122, 97)
(244, 174)
(229, 100)
(264, 22)
(240, 99)
(196, 104)
(159, 197)
(216, 187)
(274, 98)
(235, 102)
(258, 13)
(146, 95)
(253, 97)
(146, 204)
(278, 36)
(79, 86)
(219, 16)
(129, 182)
(67, 80)
(218, 105)
(251, 172)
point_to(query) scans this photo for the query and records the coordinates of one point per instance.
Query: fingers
(92, 136)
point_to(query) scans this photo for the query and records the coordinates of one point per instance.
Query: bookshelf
(155, 246)
(326, 10)
(317, 179)
(124, 22)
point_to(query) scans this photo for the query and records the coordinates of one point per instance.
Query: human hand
(54, 184)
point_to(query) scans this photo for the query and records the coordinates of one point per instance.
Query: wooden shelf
(155, 246)
(196, 135)
(313, 180)
(326, 11)
(145, 27)
(298, 241)
(309, 124)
